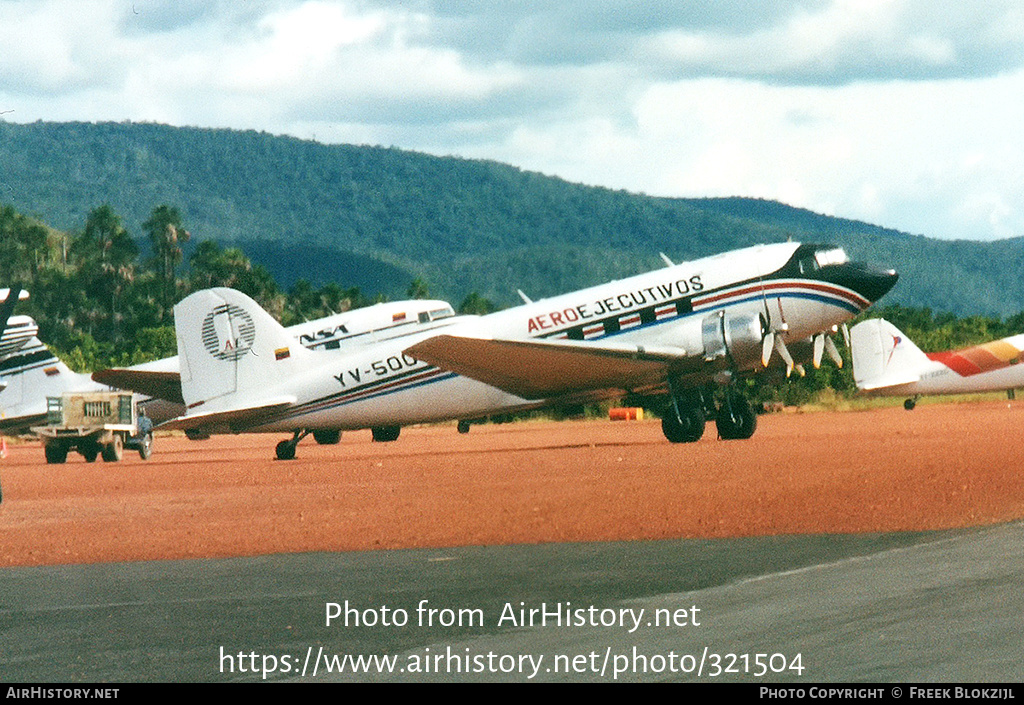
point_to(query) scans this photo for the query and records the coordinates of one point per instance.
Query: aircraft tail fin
(883, 356)
(232, 353)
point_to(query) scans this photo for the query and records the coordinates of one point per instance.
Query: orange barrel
(626, 413)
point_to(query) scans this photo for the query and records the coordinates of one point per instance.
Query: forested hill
(377, 217)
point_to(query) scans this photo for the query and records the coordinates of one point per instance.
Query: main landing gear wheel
(735, 418)
(683, 423)
(327, 437)
(386, 434)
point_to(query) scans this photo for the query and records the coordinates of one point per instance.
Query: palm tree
(108, 257)
(167, 234)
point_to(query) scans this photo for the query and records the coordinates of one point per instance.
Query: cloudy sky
(904, 113)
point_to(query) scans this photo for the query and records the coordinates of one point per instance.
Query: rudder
(883, 355)
(228, 346)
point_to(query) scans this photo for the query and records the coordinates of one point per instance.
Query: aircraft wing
(153, 383)
(540, 369)
(16, 425)
(234, 420)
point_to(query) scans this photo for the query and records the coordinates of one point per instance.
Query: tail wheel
(285, 450)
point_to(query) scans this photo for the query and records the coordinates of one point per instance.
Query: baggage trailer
(94, 424)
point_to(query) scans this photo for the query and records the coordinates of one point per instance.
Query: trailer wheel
(114, 451)
(89, 451)
(55, 453)
(146, 446)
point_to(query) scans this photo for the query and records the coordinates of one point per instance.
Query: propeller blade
(846, 335)
(767, 345)
(833, 352)
(819, 348)
(800, 370)
(780, 345)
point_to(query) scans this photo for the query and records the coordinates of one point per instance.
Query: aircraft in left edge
(688, 332)
(15, 331)
(29, 372)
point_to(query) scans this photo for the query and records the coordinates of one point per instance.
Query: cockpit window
(437, 313)
(836, 255)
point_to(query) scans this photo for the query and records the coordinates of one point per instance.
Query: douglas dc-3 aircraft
(31, 373)
(15, 331)
(887, 363)
(689, 330)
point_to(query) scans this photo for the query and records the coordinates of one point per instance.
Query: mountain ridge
(382, 216)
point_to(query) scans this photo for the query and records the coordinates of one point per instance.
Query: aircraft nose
(869, 281)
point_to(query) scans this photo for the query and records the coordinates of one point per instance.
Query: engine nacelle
(737, 338)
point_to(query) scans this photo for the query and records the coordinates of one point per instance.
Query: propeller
(823, 343)
(774, 342)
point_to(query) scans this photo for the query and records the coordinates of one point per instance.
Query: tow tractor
(94, 424)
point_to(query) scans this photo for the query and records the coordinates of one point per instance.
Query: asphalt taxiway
(923, 606)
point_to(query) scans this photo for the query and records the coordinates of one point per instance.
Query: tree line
(103, 298)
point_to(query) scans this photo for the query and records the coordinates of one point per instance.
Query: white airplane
(29, 376)
(161, 380)
(28, 371)
(15, 331)
(34, 373)
(887, 363)
(690, 330)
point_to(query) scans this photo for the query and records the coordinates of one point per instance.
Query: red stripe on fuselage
(956, 362)
(770, 286)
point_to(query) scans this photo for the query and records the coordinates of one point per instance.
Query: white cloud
(901, 112)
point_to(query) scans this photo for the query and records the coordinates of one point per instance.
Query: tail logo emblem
(228, 332)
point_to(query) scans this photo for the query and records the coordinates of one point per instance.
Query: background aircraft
(15, 331)
(28, 371)
(887, 363)
(689, 330)
(33, 373)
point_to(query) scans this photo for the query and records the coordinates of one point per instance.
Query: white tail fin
(883, 356)
(233, 354)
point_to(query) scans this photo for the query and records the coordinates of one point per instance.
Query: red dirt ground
(940, 466)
